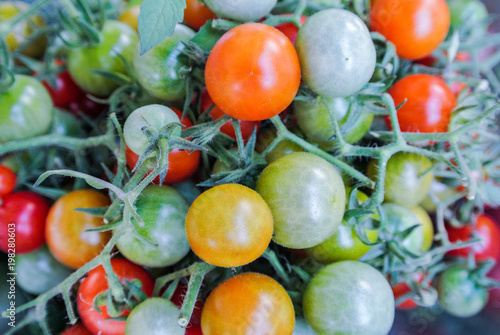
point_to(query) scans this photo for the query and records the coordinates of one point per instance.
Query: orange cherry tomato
(130, 17)
(196, 14)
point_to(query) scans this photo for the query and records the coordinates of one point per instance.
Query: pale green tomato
(241, 10)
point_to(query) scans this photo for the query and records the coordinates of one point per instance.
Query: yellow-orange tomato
(229, 225)
(22, 31)
(65, 229)
(196, 14)
(249, 303)
(129, 17)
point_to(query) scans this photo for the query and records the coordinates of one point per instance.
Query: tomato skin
(487, 248)
(399, 219)
(231, 233)
(26, 109)
(196, 14)
(405, 181)
(227, 128)
(27, 211)
(290, 30)
(65, 228)
(458, 294)
(163, 210)
(65, 90)
(349, 297)
(429, 105)
(427, 227)
(308, 210)
(252, 83)
(66, 124)
(130, 17)
(95, 283)
(416, 28)
(241, 10)
(154, 316)
(337, 55)
(76, 329)
(158, 70)
(248, 303)
(117, 37)
(8, 180)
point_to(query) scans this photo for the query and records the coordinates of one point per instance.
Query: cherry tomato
(289, 29)
(429, 103)
(8, 180)
(427, 228)
(163, 210)
(130, 17)
(25, 109)
(86, 106)
(252, 83)
(400, 289)
(241, 10)
(22, 222)
(154, 316)
(398, 220)
(247, 127)
(230, 232)
(76, 329)
(415, 27)
(117, 39)
(248, 303)
(337, 55)
(265, 138)
(65, 230)
(65, 90)
(194, 331)
(349, 297)
(488, 232)
(96, 283)
(306, 196)
(470, 12)
(196, 14)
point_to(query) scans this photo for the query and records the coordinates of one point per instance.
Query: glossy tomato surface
(249, 303)
(196, 14)
(65, 230)
(229, 225)
(429, 103)
(154, 316)
(415, 27)
(96, 283)
(253, 72)
(241, 10)
(8, 180)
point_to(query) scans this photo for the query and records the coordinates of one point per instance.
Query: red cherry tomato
(76, 329)
(182, 164)
(65, 90)
(289, 29)
(95, 283)
(86, 106)
(401, 289)
(216, 113)
(416, 27)
(7, 180)
(196, 14)
(22, 222)
(429, 103)
(489, 233)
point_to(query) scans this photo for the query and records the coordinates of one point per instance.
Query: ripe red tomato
(216, 113)
(7, 180)
(401, 289)
(182, 164)
(429, 105)
(489, 233)
(65, 230)
(196, 14)
(415, 27)
(95, 283)
(289, 29)
(65, 90)
(86, 106)
(253, 72)
(76, 329)
(22, 222)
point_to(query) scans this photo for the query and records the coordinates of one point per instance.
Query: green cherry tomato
(39, 271)
(306, 196)
(336, 53)
(399, 219)
(344, 244)
(467, 12)
(159, 69)
(154, 316)
(155, 116)
(163, 210)
(314, 120)
(349, 297)
(427, 227)
(26, 110)
(408, 178)
(117, 39)
(241, 10)
(266, 137)
(459, 295)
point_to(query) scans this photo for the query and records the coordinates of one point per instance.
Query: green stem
(271, 256)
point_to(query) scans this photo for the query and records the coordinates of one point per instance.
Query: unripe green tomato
(399, 219)
(427, 227)
(154, 316)
(241, 10)
(26, 110)
(467, 12)
(314, 120)
(117, 38)
(266, 137)
(159, 69)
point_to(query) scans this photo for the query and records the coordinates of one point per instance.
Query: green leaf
(97, 211)
(157, 20)
(207, 36)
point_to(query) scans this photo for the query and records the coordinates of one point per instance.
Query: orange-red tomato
(416, 27)
(290, 29)
(429, 105)
(249, 303)
(196, 14)
(229, 225)
(253, 72)
(76, 329)
(65, 229)
(8, 180)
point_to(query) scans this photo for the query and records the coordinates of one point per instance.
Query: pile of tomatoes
(266, 167)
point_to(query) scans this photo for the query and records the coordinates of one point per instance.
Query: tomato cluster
(236, 167)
